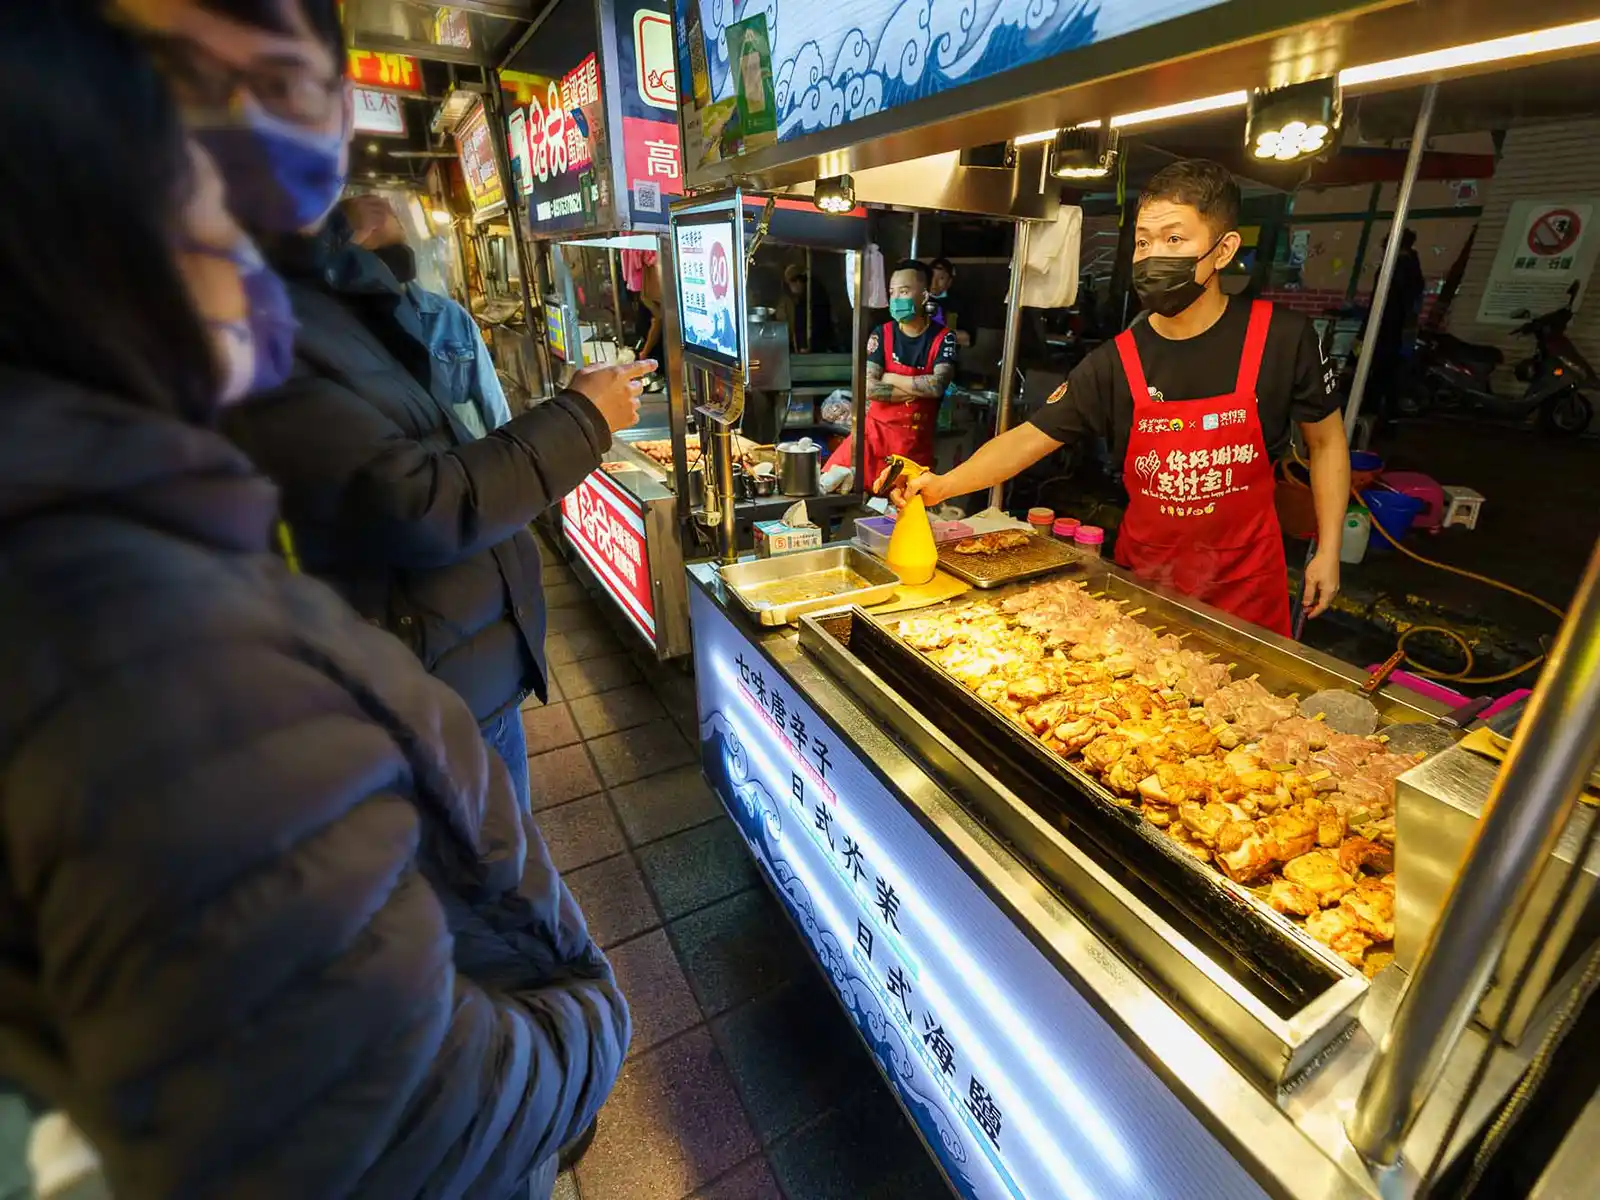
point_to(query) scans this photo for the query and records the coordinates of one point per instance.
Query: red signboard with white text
(606, 527)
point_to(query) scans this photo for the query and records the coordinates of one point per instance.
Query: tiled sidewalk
(745, 1080)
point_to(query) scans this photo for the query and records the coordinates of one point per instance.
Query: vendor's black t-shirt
(1296, 384)
(912, 351)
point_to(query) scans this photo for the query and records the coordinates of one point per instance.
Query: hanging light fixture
(1086, 151)
(836, 194)
(1293, 122)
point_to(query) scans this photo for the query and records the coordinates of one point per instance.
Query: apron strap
(1255, 348)
(933, 351)
(1131, 366)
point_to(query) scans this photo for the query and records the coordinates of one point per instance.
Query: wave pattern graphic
(760, 819)
(897, 54)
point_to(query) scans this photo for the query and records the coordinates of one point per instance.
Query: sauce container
(1041, 519)
(1065, 528)
(1089, 539)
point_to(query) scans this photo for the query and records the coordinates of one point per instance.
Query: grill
(1040, 556)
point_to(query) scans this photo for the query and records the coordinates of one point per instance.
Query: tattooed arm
(935, 385)
(878, 388)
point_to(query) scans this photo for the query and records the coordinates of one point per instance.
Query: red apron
(1200, 489)
(895, 426)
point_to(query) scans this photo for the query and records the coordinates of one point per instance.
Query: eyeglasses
(287, 86)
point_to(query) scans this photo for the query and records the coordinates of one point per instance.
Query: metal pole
(616, 301)
(916, 232)
(670, 354)
(1533, 798)
(1008, 355)
(806, 348)
(1391, 256)
(858, 370)
(494, 110)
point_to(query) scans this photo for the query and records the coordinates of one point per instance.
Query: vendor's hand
(614, 388)
(1322, 581)
(927, 485)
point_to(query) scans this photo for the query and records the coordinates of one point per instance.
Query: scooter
(1451, 375)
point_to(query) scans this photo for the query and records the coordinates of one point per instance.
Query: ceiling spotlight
(835, 195)
(441, 216)
(1084, 152)
(1293, 122)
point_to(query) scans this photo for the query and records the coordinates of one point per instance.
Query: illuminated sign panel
(606, 527)
(1019, 1086)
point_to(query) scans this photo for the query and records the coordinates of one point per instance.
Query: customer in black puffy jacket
(421, 526)
(272, 922)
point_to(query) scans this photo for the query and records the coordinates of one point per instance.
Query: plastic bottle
(1355, 535)
(1089, 539)
(912, 554)
(1041, 519)
(1065, 528)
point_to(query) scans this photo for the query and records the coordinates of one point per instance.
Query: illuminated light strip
(1044, 135)
(1084, 1118)
(1516, 45)
(1186, 108)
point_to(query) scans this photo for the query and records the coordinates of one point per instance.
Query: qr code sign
(646, 196)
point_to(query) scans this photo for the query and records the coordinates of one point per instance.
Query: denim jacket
(475, 394)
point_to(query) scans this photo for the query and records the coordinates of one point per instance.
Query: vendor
(910, 363)
(1197, 403)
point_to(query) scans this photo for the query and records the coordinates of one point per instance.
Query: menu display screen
(709, 289)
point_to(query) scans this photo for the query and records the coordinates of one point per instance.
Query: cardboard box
(779, 537)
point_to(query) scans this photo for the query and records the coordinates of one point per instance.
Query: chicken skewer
(1226, 769)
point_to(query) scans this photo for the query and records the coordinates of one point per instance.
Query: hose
(1464, 675)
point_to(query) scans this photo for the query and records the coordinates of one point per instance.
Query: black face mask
(401, 260)
(1166, 285)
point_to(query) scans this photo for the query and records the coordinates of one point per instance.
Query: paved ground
(1539, 524)
(746, 1081)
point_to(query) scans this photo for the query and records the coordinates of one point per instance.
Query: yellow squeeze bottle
(913, 555)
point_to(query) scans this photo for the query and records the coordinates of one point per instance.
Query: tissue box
(780, 537)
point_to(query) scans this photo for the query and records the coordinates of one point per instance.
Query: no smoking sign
(1554, 231)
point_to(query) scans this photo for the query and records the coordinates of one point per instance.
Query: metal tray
(1040, 556)
(1278, 999)
(741, 580)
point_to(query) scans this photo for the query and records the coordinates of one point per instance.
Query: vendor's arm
(1080, 407)
(935, 383)
(997, 460)
(1329, 456)
(1315, 408)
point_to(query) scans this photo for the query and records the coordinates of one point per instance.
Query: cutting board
(1483, 741)
(941, 587)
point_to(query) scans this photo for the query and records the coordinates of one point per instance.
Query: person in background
(280, 925)
(947, 306)
(471, 387)
(911, 361)
(1400, 309)
(1198, 402)
(810, 329)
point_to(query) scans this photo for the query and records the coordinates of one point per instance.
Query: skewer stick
(1136, 612)
(1321, 716)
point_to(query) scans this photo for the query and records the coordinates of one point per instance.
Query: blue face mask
(268, 329)
(280, 179)
(903, 308)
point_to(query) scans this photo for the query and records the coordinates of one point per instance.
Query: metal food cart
(1060, 1008)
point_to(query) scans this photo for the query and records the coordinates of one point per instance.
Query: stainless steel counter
(1289, 1138)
